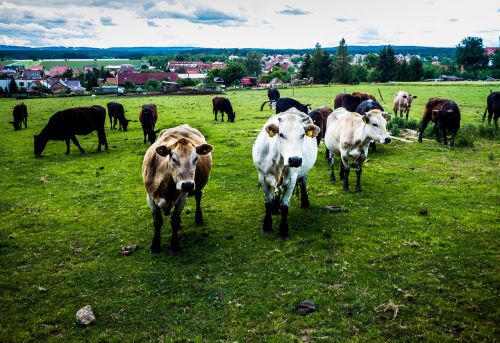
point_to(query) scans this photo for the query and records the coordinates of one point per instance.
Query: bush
(488, 132)
(394, 128)
(186, 83)
(465, 136)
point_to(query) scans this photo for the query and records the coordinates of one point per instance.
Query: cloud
(151, 23)
(453, 20)
(107, 21)
(344, 20)
(293, 11)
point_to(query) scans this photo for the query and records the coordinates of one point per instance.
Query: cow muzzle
(385, 140)
(185, 186)
(295, 162)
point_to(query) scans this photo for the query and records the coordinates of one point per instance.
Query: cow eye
(302, 136)
(282, 136)
(376, 125)
(195, 159)
(175, 160)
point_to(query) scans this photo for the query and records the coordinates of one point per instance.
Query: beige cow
(176, 165)
(402, 103)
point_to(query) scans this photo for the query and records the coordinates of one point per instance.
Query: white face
(291, 137)
(376, 129)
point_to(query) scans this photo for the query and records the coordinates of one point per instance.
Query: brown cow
(117, 112)
(351, 101)
(20, 114)
(176, 166)
(446, 116)
(320, 117)
(148, 118)
(223, 105)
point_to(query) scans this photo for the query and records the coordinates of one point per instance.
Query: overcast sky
(247, 23)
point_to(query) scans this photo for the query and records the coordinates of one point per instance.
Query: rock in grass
(128, 250)
(305, 307)
(336, 208)
(85, 316)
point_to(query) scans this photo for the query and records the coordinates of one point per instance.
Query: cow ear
(163, 150)
(129, 120)
(272, 130)
(405, 96)
(366, 118)
(386, 116)
(312, 130)
(204, 149)
(414, 97)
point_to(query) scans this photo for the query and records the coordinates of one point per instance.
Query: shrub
(465, 136)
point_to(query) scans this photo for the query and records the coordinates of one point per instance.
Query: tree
(387, 65)
(341, 63)
(129, 85)
(321, 65)
(415, 70)
(152, 84)
(470, 53)
(306, 65)
(403, 72)
(13, 89)
(187, 82)
(371, 60)
(495, 60)
(181, 70)
(234, 71)
(68, 73)
(357, 74)
(252, 63)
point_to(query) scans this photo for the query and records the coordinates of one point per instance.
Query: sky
(247, 23)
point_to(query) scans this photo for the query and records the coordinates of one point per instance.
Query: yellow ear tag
(310, 133)
(271, 133)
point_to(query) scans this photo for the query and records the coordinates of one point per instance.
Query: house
(248, 81)
(4, 84)
(126, 68)
(38, 67)
(218, 65)
(32, 74)
(490, 51)
(142, 78)
(57, 70)
(112, 80)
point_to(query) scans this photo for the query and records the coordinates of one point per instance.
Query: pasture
(381, 271)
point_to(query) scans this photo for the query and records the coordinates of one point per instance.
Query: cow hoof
(155, 250)
(176, 252)
(358, 191)
(267, 230)
(305, 205)
(198, 221)
(284, 238)
(346, 190)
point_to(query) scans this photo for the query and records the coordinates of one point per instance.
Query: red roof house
(142, 78)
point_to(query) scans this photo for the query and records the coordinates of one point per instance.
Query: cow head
(230, 116)
(124, 123)
(40, 144)
(182, 158)
(290, 131)
(152, 135)
(376, 126)
(410, 99)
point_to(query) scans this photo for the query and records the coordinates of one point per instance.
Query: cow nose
(295, 161)
(187, 186)
(387, 140)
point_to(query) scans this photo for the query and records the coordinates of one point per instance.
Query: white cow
(284, 152)
(349, 134)
(402, 102)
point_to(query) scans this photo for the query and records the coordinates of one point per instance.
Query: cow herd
(178, 163)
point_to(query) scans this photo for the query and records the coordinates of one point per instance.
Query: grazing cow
(116, 111)
(349, 134)
(402, 103)
(446, 116)
(351, 101)
(20, 114)
(175, 167)
(223, 105)
(283, 153)
(148, 118)
(493, 108)
(273, 94)
(319, 117)
(284, 104)
(64, 125)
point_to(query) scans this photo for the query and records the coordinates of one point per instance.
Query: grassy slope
(76, 64)
(64, 219)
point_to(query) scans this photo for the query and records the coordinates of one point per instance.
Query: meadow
(74, 64)
(413, 257)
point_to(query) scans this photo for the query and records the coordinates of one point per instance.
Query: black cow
(20, 114)
(273, 94)
(223, 105)
(446, 114)
(493, 108)
(65, 125)
(148, 118)
(284, 104)
(367, 106)
(117, 112)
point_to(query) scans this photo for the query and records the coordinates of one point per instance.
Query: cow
(446, 116)
(319, 117)
(273, 94)
(402, 103)
(284, 104)
(365, 107)
(148, 118)
(20, 114)
(176, 166)
(117, 112)
(349, 134)
(223, 105)
(283, 153)
(66, 124)
(493, 108)
(351, 101)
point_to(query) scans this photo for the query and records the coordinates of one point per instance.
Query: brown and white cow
(349, 134)
(177, 165)
(402, 103)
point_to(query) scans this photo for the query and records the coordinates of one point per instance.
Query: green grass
(64, 219)
(75, 64)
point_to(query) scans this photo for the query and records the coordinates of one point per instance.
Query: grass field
(75, 64)
(65, 218)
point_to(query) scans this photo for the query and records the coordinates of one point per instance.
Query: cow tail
(262, 107)
(484, 115)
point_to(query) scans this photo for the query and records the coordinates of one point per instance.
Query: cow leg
(284, 222)
(359, 170)
(342, 170)
(285, 204)
(25, 121)
(327, 153)
(373, 145)
(395, 111)
(144, 132)
(267, 225)
(158, 223)
(347, 169)
(198, 219)
(67, 146)
(75, 142)
(304, 198)
(175, 223)
(221, 116)
(437, 133)
(425, 122)
(445, 133)
(452, 139)
(332, 167)
(110, 122)
(215, 114)
(102, 139)
(407, 113)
